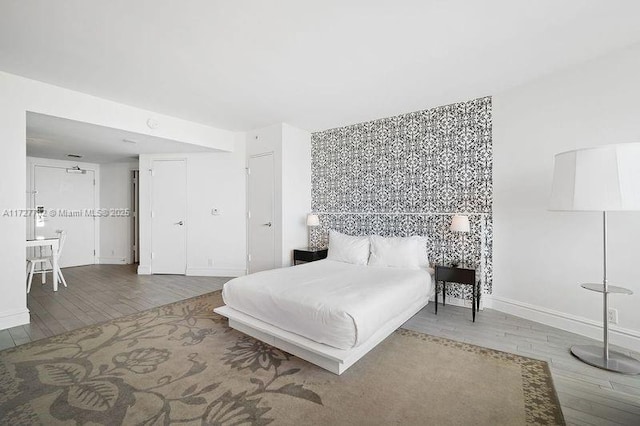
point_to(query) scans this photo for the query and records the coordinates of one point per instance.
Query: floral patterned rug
(182, 364)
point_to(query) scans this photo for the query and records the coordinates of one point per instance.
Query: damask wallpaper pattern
(408, 175)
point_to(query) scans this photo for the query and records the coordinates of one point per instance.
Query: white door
(168, 217)
(68, 197)
(262, 253)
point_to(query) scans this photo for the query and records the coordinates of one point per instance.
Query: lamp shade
(605, 178)
(460, 223)
(313, 220)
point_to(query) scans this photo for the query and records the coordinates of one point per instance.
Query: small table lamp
(602, 179)
(460, 224)
(312, 220)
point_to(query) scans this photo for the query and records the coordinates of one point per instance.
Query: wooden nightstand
(460, 275)
(309, 254)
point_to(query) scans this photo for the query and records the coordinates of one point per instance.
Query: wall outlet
(612, 316)
(210, 262)
(216, 211)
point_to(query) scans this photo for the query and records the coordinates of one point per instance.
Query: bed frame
(333, 359)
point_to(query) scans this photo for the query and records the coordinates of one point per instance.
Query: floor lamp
(600, 179)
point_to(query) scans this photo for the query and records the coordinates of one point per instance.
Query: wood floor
(99, 293)
(588, 396)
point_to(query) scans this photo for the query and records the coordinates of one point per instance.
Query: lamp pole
(600, 179)
(597, 356)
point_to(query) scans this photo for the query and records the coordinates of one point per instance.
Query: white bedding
(335, 303)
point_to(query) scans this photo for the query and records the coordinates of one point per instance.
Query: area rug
(182, 364)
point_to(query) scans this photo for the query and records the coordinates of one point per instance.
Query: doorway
(261, 203)
(68, 197)
(168, 217)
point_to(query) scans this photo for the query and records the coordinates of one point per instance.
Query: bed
(327, 312)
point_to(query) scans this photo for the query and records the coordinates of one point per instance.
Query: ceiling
(243, 64)
(53, 137)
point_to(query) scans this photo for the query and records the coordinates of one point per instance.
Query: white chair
(43, 261)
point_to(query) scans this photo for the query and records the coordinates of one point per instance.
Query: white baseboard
(14, 318)
(215, 272)
(624, 337)
(200, 272)
(112, 261)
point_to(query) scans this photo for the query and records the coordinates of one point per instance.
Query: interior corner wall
(541, 257)
(116, 192)
(19, 95)
(216, 244)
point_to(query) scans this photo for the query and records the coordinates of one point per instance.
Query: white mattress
(335, 303)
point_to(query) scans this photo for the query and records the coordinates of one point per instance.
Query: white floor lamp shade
(605, 178)
(597, 179)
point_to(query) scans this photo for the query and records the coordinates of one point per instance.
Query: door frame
(276, 226)
(32, 163)
(135, 216)
(153, 161)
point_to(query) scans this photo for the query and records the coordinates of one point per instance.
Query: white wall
(291, 148)
(541, 256)
(216, 244)
(296, 190)
(116, 233)
(19, 95)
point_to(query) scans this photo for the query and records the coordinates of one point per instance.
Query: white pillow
(397, 252)
(423, 254)
(345, 248)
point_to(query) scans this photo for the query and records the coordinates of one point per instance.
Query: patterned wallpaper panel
(408, 175)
